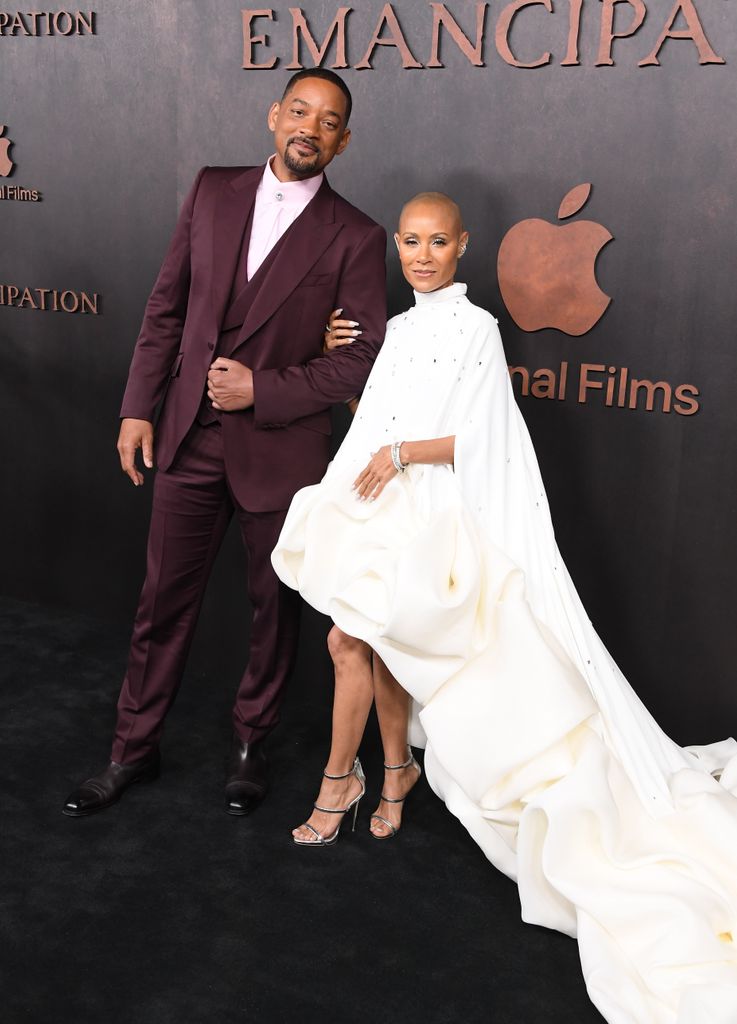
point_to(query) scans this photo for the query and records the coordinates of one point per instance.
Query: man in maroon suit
(231, 344)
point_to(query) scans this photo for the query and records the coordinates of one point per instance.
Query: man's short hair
(327, 76)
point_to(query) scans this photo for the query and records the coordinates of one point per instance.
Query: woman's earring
(462, 252)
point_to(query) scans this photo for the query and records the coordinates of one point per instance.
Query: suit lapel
(234, 206)
(303, 244)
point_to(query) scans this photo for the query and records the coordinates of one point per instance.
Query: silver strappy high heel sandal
(396, 800)
(321, 840)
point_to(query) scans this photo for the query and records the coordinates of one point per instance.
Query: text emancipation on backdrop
(47, 23)
(335, 48)
(49, 299)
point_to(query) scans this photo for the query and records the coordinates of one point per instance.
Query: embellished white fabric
(534, 739)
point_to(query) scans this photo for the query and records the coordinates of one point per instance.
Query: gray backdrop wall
(111, 127)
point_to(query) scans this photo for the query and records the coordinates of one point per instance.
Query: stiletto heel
(321, 840)
(410, 762)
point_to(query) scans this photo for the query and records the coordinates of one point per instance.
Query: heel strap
(335, 778)
(357, 771)
(393, 800)
(405, 764)
(343, 810)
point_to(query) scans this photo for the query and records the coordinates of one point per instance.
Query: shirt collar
(287, 193)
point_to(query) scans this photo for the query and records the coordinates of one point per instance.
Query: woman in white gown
(437, 562)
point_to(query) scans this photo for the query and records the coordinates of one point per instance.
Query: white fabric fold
(534, 739)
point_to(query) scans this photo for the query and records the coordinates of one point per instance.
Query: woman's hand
(339, 332)
(374, 478)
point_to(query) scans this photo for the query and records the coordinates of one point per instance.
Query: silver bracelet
(396, 459)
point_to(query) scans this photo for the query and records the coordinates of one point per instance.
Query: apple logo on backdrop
(6, 164)
(547, 272)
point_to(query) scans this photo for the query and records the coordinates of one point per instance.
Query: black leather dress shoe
(248, 777)
(108, 786)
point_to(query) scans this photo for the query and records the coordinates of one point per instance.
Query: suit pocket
(176, 367)
(315, 280)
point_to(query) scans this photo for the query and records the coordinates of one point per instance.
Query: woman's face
(429, 241)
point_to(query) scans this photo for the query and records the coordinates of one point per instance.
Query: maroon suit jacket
(332, 256)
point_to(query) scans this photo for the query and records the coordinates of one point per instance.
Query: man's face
(309, 129)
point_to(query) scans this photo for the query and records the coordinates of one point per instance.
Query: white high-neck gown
(533, 737)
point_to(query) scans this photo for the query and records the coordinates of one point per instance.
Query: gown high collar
(453, 291)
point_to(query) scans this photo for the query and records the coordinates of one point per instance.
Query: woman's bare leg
(392, 709)
(354, 693)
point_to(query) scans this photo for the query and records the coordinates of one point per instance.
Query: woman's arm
(438, 451)
(371, 482)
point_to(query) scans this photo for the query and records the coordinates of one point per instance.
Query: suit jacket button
(211, 345)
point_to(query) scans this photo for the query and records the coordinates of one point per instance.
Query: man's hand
(135, 434)
(230, 385)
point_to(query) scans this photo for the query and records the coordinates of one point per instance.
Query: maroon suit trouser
(192, 506)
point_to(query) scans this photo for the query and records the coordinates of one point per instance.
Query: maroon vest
(242, 295)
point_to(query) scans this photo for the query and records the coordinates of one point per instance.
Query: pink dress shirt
(278, 204)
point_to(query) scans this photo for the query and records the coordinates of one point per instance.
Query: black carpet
(164, 909)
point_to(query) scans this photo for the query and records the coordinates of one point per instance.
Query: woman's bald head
(434, 204)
